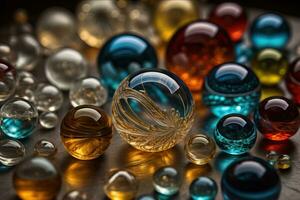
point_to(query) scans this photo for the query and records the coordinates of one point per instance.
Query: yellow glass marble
(169, 15)
(270, 65)
(200, 148)
(283, 162)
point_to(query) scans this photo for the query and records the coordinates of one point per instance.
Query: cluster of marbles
(203, 188)
(279, 161)
(45, 148)
(48, 120)
(8, 78)
(12, 152)
(293, 80)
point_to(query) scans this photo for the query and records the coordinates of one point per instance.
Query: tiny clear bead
(45, 148)
(48, 120)
(76, 195)
(284, 162)
(272, 157)
(11, 152)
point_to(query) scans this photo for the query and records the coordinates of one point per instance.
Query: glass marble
(146, 197)
(12, 152)
(270, 65)
(64, 67)
(48, 98)
(28, 51)
(48, 120)
(153, 110)
(277, 118)
(231, 88)
(18, 118)
(270, 30)
(122, 55)
(121, 185)
(6, 53)
(200, 149)
(191, 49)
(8, 79)
(250, 178)
(99, 20)
(203, 188)
(88, 91)
(45, 148)
(26, 85)
(76, 195)
(272, 157)
(235, 134)
(232, 17)
(166, 181)
(292, 80)
(284, 162)
(36, 179)
(56, 28)
(86, 132)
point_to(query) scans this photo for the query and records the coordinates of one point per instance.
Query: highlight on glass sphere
(26, 85)
(292, 80)
(153, 110)
(203, 188)
(8, 78)
(191, 49)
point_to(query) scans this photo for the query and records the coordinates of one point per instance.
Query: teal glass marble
(146, 197)
(166, 181)
(203, 188)
(122, 55)
(270, 30)
(243, 53)
(231, 88)
(18, 118)
(235, 134)
(250, 178)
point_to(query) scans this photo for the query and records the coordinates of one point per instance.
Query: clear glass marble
(18, 118)
(11, 152)
(48, 120)
(8, 78)
(48, 98)
(88, 91)
(45, 148)
(284, 161)
(272, 157)
(203, 188)
(64, 67)
(76, 195)
(166, 181)
(56, 28)
(7, 54)
(26, 85)
(121, 184)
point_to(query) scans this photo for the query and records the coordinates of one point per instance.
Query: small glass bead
(272, 157)
(121, 185)
(166, 181)
(8, 79)
(235, 134)
(18, 118)
(45, 148)
(203, 188)
(36, 178)
(88, 91)
(7, 54)
(26, 85)
(200, 149)
(48, 120)
(48, 98)
(76, 195)
(11, 152)
(293, 80)
(64, 67)
(284, 162)
(250, 178)
(146, 197)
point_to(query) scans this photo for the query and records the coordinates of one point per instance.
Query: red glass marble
(277, 118)
(7, 80)
(195, 48)
(232, 17)
(293, 80)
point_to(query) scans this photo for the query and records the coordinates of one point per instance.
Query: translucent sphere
(7, 80)
(26, 85)
(48, 120)
(28, 51)
(56, 28)
(48, 98)
(18, 118)
(7, 54)
(64, 67)
(284, 162)
(203, 188)
(44, 148)
(88, 91)
(36, 178)
(99, 20)
(76, 195)
(11, 152)
(153, 110)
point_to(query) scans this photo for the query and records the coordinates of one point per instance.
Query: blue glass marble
(243, 53)
(231, 88)
(270, 30)
(250, 178)
(203, 188)
(18, 118)
(122, 55)
(166, 181)
(235, 134)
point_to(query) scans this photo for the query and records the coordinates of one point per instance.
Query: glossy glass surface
(152, 110)
(11, 152)
(7, 80)
(293, 80)
(48, 120)
(26, 85)
(45, 148)
(203, 188)
(231, 88)
(122, 55)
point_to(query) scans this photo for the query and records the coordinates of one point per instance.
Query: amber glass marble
(277, 118)
(195, 48)
(293, 80)
(232, 17)
(86, 132)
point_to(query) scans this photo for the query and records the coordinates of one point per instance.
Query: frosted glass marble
(76, 195)
(26, 85)
(45, 148)
(8, 78)
(203, 188)
(64, 67)
(48, 120)
(88, 91)
(18, 118)
(11, 152)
